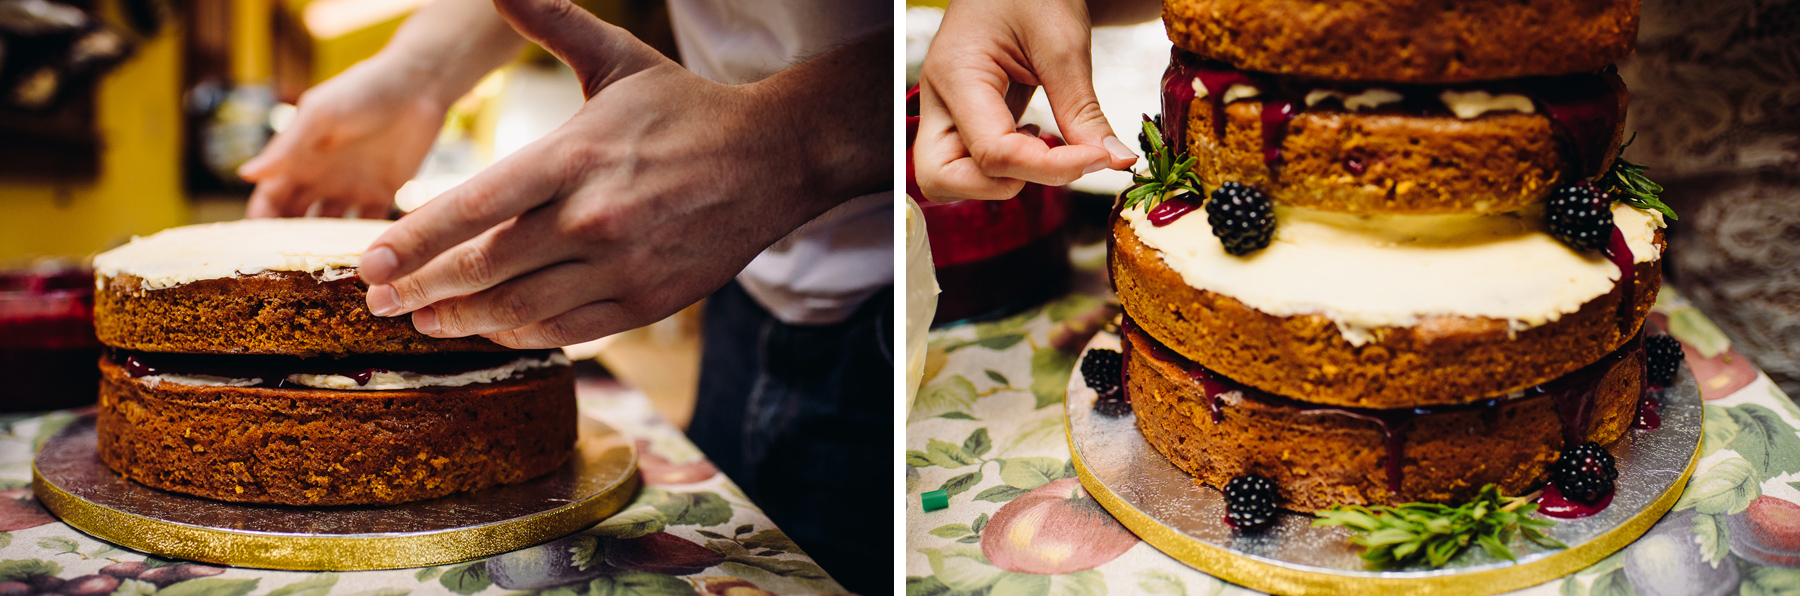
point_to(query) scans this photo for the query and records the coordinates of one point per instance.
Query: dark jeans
(801, 417)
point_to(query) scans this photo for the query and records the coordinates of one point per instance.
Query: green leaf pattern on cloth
(1736, 530)
(676, 524)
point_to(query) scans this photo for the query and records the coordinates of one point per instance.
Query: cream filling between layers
(329, 248)
(382, 380)
(1365, 272)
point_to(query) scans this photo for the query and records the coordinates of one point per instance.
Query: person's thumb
(598, 52)
(1069, 85)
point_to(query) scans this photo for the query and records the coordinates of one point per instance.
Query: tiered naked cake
(1410, 279)
(243, 365)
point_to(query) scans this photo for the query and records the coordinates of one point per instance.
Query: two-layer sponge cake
(1406, 283)
(243, 365)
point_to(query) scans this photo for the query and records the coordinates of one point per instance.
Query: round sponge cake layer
(1388, 162)
(1442, 359)
(1319, 457)
(1407, 41)
(273, 312)
(322, 447)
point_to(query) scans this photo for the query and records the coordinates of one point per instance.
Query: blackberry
(1580, 216)
(1584, 473)
(1100, 369)
(1112, 408)
(1664, 355)
(1250, 502)
(1241, 217)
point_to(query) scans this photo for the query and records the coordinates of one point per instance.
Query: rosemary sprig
(1403, 535)
(1170, 172)
(1627, 182)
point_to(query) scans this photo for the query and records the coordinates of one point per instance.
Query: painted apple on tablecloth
(1056, 528)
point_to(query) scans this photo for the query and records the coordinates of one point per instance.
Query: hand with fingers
(658, 191)
(984, 63)
(355, 139)
(360, 135)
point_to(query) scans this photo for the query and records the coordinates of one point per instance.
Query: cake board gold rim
(342, 552)
(1252, 572)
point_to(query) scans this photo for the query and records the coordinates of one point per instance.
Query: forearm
(839, 109)
(1103, 13)
(449, 45)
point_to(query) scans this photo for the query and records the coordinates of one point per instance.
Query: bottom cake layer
(1320, 456)
(327, 447)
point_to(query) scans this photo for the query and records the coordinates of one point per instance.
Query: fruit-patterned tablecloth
(689, 531)
(987, 426)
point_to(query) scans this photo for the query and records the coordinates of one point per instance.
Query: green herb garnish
(1170, 172)
(1626, 182)
(1408, 534)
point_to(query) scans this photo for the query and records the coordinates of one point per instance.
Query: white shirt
(821, 272)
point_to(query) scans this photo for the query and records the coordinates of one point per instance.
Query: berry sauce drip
(1586, 113)
(1647, 416)
(1554, 504)
(1620, 252)
(1178, 93)
(1573, 395)
(1275, 117)
(274, 370)
(1169, 210)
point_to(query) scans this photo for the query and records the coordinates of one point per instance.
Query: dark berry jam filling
(274, 370)
(1573, 395)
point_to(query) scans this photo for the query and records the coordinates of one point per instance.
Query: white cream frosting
(1470, 104)
(330, 248)
(390, 380)
(1367, 272)
(1238, 91)
(380, 381)
(1368, 99)
(207, 380)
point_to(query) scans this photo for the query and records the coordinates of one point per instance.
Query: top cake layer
(264, 286)
(1407, 41)
(331, 248)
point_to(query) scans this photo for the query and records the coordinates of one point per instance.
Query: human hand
(658, 191)
(976, 78)
(355, 140)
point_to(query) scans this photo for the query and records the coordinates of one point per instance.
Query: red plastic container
(48, 351)
(994, 258)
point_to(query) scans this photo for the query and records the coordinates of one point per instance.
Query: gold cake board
(597, 481)
(1180, 517)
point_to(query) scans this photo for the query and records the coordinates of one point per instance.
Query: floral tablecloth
(689, 531)
(987, 427)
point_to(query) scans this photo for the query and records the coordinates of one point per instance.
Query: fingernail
(425, 320)
(378, 263)
(1094, 167)
(384, 301)
(1118, 149)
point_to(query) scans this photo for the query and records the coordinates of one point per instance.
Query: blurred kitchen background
(125, 117)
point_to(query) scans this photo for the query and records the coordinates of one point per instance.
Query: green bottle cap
(935, 500)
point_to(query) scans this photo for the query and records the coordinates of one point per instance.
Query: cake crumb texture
(1319, 460)
(1407, 41)
(319, 447)
(273, 312)
(1384, 162)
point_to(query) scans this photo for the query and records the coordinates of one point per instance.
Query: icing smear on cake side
(1365, 272)
(331, 249)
